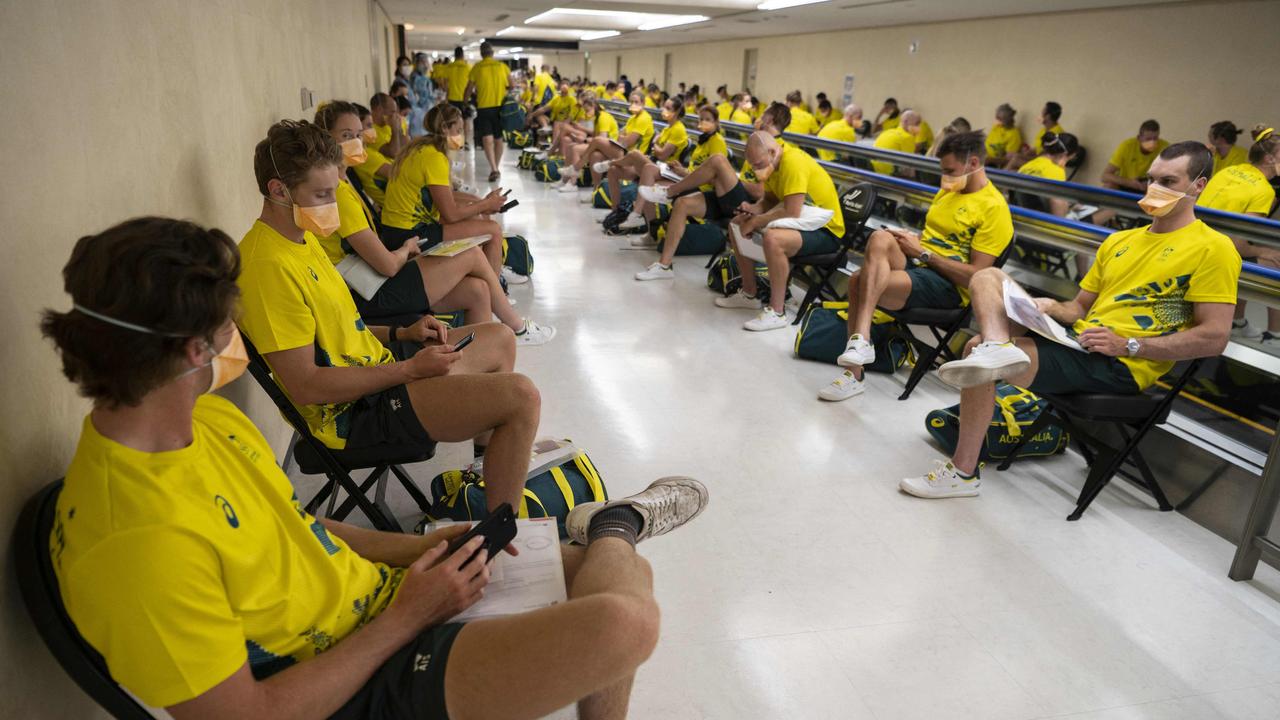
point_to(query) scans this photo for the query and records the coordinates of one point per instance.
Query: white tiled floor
(811, 588)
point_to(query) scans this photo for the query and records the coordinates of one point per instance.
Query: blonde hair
(438, 118)
(1265, 142)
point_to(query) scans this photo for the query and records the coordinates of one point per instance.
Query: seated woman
(1004, 139)
(603, 150)
(415, 284)
(589, 122)
(1222, 143)
(1058, 149)
(375, 170)
(666, 150)
(422, 203)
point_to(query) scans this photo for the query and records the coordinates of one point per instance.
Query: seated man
(844, 129)
(1156, 295)
(636, 135)
(802, 121)
(389, 135)
(1005, 139)
(791, 178)
(1127, 168)
(375, 171)
(725, 107)
(185, 559)
(967, 227)
(902, 138)
(888, 117)
(666, 148)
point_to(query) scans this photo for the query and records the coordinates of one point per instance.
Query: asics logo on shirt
(1122, 251)
(314, 276)
(229, 512)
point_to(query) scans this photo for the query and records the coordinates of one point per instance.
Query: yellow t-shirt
(803, 123)
(382, 137)
(604, 122)
(890, 123)
(724, 110)
(1003, 141)
(544, 88)
(924, 136)
(959, 223)
(1239, 189)
(563, 107)
(894, 138)
(1146, 283)
(674, 134)
(827, 117)
(491, 79)
(373, 184)
(1235, 156)
(1056, 130)
(437, 71)
(713, 145)
(642, 124)
(179, 566)
(291, 297)
(457, 73)
(650, 101)
(836, 130)
(1131, 161)
(619, 96)
(408, 199)
(798, 173)
(526, 98)
(1045, 168)
(756, 111)
(353, 217)
(740, 116)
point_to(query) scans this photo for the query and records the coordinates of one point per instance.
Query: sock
(1239, 323)
(621, 522)
(964, 476)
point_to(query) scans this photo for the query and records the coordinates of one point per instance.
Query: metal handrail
(1256, 282)
(1256, 230)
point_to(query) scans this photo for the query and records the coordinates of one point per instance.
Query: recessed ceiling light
(505, 30)
(599, 34)
(408, 26)
(673, 21)
(779, 4)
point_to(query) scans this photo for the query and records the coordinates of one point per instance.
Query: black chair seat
(823, 259)
(817, 270)
(928, 316)
(1108, 407)
(310, 462)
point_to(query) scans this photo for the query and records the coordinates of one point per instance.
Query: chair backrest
(857, 203)
(261, 372)
(1005, 254)
(39, 586)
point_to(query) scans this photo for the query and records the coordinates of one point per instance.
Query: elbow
(1219, 344)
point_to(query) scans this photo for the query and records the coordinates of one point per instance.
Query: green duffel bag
(600, 199)
(519, 139)
(698, 239)
(723, 276)
(1016, 409)
(547, 170)
(512, 115)
(516, 255)
(527, 160)
(824, 333)
(584, 178)
(460, 494)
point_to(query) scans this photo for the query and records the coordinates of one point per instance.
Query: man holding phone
(967, 227)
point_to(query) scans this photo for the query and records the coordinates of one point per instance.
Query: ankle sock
(621, 522)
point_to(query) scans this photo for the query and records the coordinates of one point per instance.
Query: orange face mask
(455, 142)
(229, 363)
(1159, 200)
(763, 173)
(369, 134)
(320, 220)
(955, 183)
(353, 152)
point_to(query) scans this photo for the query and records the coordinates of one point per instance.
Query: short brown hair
(328, 114)
(290, 150)
(172, 276)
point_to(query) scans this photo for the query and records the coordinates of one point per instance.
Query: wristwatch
(923, 257)
(1133, 346)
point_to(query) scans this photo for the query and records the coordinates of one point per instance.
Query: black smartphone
(507, 192)
(498, 530)
(463, 342)
(508, 206)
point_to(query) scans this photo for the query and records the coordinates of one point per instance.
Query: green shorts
(410, 684)
(817, 242)
(1065, 371)
(931, 290)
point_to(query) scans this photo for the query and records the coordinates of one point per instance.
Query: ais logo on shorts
(229, 512)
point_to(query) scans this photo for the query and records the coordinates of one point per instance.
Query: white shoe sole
(845, 362)
(967, 376)
(909, 489)
(841, 398)
(748, 328)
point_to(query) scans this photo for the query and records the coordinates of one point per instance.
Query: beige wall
(115, 109)
(1185, 65)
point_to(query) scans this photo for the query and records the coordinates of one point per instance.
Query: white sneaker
(535, 334)
(857, 353)
(588, 198)
(642, 242)
(664, 506)
(654, 194)
(738, 300)
(768, 319)
(656, 271)
(843, 387)
(512, 278)
(634, 221)
(569, 172)
(943, 481)
(541, 155)
(1244, 330)
(601, 167)
(987, 363)
(567, 187)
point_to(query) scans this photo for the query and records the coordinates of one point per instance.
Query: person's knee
(772, 241)
(628, 625)
(986, 277)
(880, 242)
(524, 396)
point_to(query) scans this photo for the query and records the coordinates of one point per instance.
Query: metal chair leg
(411, 487)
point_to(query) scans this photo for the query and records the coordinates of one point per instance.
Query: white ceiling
(436, 21)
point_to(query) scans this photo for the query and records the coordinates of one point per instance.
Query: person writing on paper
(174, 510)
(790, 177)
(844, 130)
(415, 284)
(1246, 189)
(888, 117)
(667, 148)
(967, 227)
(590, 122)
(1156, 295)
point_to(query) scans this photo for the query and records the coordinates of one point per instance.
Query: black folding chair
(1048, 258)
(39, 586)
(943, 323)
(816, 270)
(1131, 416)
(354, 179)
(315, 458)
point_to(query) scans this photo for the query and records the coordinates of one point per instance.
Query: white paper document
(532, 580)
(449, 248)
(1021, 308)
(360, 276)
(666, 172)
(749, 247)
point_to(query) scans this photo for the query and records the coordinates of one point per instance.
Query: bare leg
(489, 152)
(460, 407)
(529, 665)
(683, 209)
(882, 274)
(471, 296)
(976, 404)
(616, 175)
(986, 295)
(746, 269)
(480, 226)
(478, 265)
(717, 170)
(779, 245)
